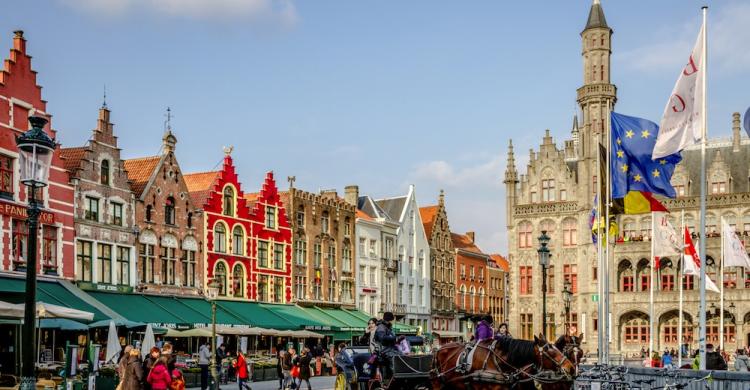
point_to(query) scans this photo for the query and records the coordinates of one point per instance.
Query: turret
(736, 133)
(511, 181)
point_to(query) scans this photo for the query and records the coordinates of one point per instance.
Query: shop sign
(20, 212)
(317, 327)
(105, 287)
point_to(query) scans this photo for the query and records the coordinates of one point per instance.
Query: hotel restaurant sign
(19, 212)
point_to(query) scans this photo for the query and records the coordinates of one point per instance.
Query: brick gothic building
(247, 240)
(471, 279)
(104, 212)
(442, 269)
(169, 257)
(21, 97)
(324, 252)
(556, 194)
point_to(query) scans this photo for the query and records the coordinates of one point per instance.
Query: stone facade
(169, 233)
(104, 211)
(21, 97)
(556, 193)
(322, 232)
(442, 269)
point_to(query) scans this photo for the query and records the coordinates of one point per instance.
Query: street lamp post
(35, 150)
(213, 292)
(544, 263)
(567, 296)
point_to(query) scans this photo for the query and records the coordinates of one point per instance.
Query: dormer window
(229, 201)
(104, 177)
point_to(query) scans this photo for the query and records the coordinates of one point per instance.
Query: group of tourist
(716, 359)
(156, 372)
(484, 329)
(293, 369)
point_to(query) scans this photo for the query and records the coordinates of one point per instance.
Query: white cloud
(278, 11)
(728, 44)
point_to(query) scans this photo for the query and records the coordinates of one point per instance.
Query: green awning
(203, 307)
(296, 315)
(253, 314)
(351, 322)
(397, 326)
(13, 289)
(162, 311)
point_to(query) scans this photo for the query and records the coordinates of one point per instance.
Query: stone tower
(594, 96)
(511, 182)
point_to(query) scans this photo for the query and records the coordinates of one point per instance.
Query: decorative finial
(291, 180)
(596, 2)
(104, 98)
(18, 33)
(441, 197)
(228, 150)
(168, 122)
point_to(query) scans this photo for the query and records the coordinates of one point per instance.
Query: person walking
(166, 351)
(286, 368)
(242, 375)
(303, 362)
(741, 361)
(148, 365)
(204, 359)
(666, 360)
(132, 370)
(159, 378)
(221, 353)
(279, 363)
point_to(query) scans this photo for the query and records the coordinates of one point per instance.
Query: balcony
(399, 309)
(390, 264)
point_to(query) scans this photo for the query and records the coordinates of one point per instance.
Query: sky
(381, 94)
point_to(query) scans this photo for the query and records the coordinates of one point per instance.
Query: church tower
(594, 96)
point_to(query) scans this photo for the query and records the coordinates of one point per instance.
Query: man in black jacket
(385, 344)
(714, 361)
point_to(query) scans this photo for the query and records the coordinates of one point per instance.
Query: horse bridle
(560, 371)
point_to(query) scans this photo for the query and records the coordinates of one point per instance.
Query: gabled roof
(368, 206)
(462, 241)
(140, 171)
(362, 215)
(200, 185)
(428, 215)
(501, 261)
(72, 157)
(393, 207)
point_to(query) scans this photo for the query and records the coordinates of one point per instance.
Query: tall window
(220, 238)
(49, 247)
(92, 209)
(6, 177)
(168, 260)
(300, 252)
(718, 187)
(147, 258)
(679, 190)
(278, 289)
(83, 258)
(188, 268)
(263, 254)
(229, 201)
(238, 281)
(347, 226)
(551, 279)
(300, 285)
(116, 214)
(570, 275)
(362, 244)
(169, 211)
(548, 190)
(104, 176)
(317, 254)
(332, 256)
(527, 326)
(301, 217)
(270, 217)
(637, 329)
(104, 252)
(149, 212)
(278, 256)
(526, 280)
(324, 222)
(263, 288)
(220, 275)
(123, 266)
(346, 258)
(570, 232)
(524, 235)
(238, 241)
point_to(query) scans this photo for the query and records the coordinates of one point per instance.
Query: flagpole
(682, 276)
(607, 232)
(721, 294)
(704, 131)
(651, 290)
(600, 270)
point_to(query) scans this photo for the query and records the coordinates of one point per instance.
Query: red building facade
(248, 241)
(21, 97)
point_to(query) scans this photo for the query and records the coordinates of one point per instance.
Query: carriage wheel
(341, 383)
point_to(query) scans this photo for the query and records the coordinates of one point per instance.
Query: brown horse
(504, 363)
(570, 345)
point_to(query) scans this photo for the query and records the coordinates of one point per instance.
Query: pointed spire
(511, 175)
(596, 17)
(441, 198)
(169, 141)
(575, 132)
(104, 97)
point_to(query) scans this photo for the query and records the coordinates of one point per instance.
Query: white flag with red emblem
(681, 123)
(692, 263)
(734, 252)
(666, 240)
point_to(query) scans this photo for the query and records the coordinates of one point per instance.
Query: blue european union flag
(632, 168)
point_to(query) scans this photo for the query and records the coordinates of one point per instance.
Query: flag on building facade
(631, 166)
(666, 240)
(592, 219)
(734, 252)
(681, 123)
(747, 121)
(638, 202)
(692, 262)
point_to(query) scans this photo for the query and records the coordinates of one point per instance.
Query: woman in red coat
(242, 375)
(159, 378)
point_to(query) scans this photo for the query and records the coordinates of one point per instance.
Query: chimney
(19, 43)
(471, 236)
(736, 134)
(351, 195)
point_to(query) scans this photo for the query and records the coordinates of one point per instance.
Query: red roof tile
(462, 241)
(72, 157)
(428, 214)
(140, 171)
(200, 186)
(501, 261)
(361, 214)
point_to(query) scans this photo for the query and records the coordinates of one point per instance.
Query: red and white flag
(692, 263)
(681, 123)
(666, 239)
(734, 254)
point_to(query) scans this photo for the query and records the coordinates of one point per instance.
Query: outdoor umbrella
(119, 323)
(148, 341)
(47, 310)
(10, 310)
(62, 324)
(113, 344)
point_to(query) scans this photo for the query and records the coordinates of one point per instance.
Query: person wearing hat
(484, 329)
(385, 341)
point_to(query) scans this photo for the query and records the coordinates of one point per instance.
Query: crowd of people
(156, 372)
(716, 359)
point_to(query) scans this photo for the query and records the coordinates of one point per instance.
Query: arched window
(238, 241)
(228, 201)
(635, 328)
(324, 221)
(190, 220)
(220, 238)
(625, 273)
(524, 234)
(169, 211)
(481, 298)
(238, 281)
(644, 274)
(220, 275)
(548, 225)
(570, 232)
(473, 294)
(667, 275)
(104, 176)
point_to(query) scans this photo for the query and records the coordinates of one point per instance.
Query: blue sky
(379, 94)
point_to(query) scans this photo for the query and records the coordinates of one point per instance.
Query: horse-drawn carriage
(355, 373)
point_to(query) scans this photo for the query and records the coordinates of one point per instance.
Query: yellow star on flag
(624, 167)
(629, 133)
(663, 162)
(645, 133)
(620, 154)
(637, 177)
(619, 141)
(655, 173)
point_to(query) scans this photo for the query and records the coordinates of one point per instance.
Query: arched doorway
(669, 323)
(634, 332)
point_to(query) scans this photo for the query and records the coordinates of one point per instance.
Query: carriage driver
(385, 341)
